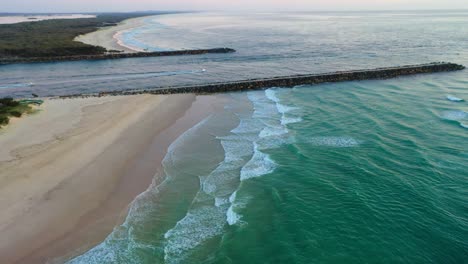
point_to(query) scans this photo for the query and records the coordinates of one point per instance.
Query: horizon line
(236, 11)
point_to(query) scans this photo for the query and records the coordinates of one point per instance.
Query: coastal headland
(57, 38)
(94, 38)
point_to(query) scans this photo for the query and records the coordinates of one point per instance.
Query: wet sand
(68, 173)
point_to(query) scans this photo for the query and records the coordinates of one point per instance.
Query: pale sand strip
(32, 18)
(109, 37)
(67, 191)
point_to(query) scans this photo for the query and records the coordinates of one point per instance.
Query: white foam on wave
(260, 164)
(337, 142)
(270, 131)
(220, 201)
(290, 120)
(454, 115)
(269, 143)
(233, 197)
(231, 216)
(198, 226)
(236, 147)
(247, 126)
(271, 94)
(464, 125)
(264, 109)
(287, 116)
(99, 254)
(454, 98)
(283, 109)
(256, 96)
(222, 181)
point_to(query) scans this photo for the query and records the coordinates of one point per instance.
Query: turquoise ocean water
(362, 172)
(354, 172)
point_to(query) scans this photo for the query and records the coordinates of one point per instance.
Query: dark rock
(114, 55)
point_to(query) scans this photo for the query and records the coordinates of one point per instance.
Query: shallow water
(354, 172)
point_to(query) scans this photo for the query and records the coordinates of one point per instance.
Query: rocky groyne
(294, 80)
(111, 56)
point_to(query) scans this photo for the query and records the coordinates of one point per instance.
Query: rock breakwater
(294, 80)
(111, 56)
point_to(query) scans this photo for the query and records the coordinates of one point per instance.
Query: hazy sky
(228, 5)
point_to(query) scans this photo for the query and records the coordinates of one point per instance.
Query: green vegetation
(13, 108)
(51, 38)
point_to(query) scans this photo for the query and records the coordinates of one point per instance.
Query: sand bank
(33, 18)
(67, 174)
(109, 37)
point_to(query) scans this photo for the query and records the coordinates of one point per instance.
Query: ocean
(352, 172)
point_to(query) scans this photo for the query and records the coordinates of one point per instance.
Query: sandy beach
(109, 37)
(68, 173)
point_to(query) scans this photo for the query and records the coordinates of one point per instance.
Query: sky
(224, 5)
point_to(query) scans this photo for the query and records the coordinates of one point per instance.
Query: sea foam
(260, 164)
(273, 131)
(454, 99)
(287, 112)
(197, 227)
(231, 216)
(290, 120)
(454, 115)
(337, 142)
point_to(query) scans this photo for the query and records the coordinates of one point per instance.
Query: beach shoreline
(73, 173)
(108, 37)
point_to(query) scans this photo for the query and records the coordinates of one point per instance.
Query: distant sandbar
(33, 18)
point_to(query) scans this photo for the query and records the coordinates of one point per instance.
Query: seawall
(294, 80)
(112, 56)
